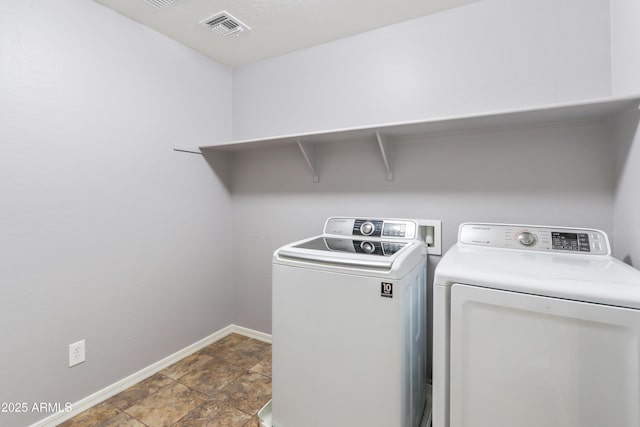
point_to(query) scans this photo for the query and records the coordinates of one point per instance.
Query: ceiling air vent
(225, 24)
(160, 4)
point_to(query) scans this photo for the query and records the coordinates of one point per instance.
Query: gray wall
(490, 55)
(625, 65)
(106, 234)
(493, 54)
(625, 45)
(626, 220)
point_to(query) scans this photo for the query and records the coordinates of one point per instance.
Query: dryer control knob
(367, 247)
(527, 239)
(367, 228)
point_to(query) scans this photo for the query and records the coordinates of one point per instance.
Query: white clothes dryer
(535, 326)
(349, 326)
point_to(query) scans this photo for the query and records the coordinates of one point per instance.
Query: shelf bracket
(386, 155)
(309, 154)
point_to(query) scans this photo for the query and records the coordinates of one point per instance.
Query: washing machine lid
(360, 245)
(353, 252)
(351, 246)
(591, 278)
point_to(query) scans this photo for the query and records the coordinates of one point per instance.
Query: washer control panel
(536, 238)
(377, 228)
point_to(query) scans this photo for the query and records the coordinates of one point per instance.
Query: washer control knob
(367, 247)
(527, 239)
(367, 228)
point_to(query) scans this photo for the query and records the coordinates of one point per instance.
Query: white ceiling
(277, 26)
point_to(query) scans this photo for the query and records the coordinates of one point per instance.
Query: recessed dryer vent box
(431, 232)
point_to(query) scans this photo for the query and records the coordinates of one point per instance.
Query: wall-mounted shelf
(603, 108)
(186, 148)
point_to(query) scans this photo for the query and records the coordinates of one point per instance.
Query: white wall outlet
(76, 353)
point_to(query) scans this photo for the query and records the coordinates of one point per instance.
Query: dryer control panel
(376, 228)
(536, 238)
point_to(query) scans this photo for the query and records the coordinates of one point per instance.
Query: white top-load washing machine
(535, 327)
(349, 320)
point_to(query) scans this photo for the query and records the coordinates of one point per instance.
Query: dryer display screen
(578, 242)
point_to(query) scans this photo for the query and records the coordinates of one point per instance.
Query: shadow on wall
(574, 158)
(626, 204)
(220, 163)
(626, 128)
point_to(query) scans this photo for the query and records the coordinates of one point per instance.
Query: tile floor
(222, 385)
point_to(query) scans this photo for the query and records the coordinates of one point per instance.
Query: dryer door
(530, 361)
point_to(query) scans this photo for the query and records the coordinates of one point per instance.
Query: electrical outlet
(76, 353)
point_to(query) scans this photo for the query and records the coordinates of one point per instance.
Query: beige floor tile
(166, 406)
(139, 391)
(214, 414)
(249, 393)
(253, 422)
(186, 365)
(93, 416)
(264, 366)
(211, 377)
(224, 345)
(121, 420)
(248, 353)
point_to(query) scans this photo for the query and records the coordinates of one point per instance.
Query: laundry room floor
(225, 384)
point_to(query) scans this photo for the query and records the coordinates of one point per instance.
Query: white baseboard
(119, 386)
(260, 336)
